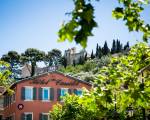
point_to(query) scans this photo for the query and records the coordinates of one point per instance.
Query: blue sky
(35, 23)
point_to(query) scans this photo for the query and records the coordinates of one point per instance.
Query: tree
(118, 46)
(80, 27)
(117, 89)
(114, 47)
(54, 57)
(64, 61)
(32, 56)
(5, 76)
(126, 47)
(81, 60)
(100, 53)
(85, 57)
(92, 55)
(76, 108)
(97, 50)
(105, 49)
(121, 80)
(13, 58)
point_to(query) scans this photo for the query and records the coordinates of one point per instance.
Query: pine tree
(64, 62)
(97, 50)
(92, 55)
(100, 54)
(85, 57)
(114, 47)
(105, 49)
(126, 46)
(81, 60)
(74, 63)
(119, 46)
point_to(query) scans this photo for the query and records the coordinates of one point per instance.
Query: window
(44, 116)
(45, 94)
(28, 93)
(64, 91)
(79, 92)
(28, 116)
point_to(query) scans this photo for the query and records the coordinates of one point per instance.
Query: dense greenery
(80, 27)
(118, 91)
(13, 58)
(5, 75)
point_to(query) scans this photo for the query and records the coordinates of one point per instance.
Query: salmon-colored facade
(54, 80)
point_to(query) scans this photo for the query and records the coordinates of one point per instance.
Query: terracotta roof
(29, 78)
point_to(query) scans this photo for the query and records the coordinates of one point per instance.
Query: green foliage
(121, 78)
(5, 76)
(92, 55)
(81, 24)
(117, 89)
(13, 58)
(32, 56)
(80, 27)
(76, 108)
(54, 57)
(105, 49)
(131, 13)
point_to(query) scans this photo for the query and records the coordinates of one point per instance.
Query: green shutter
(22, 116)
(34, 93)
(69, 91)
(40, 93)
(58, 94)
(23, 93)
(51, 93)
(75, 91)
(40, 116)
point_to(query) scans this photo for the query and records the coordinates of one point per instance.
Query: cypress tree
(85, 57)
(92, 55)
(81, 60)
(114, 47)
(119, 46)
(100, 54)
(64, 62)
(97, 50)
(74, 63)
(126, 46)
(105, 49)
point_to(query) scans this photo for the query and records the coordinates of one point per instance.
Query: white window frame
(26, 113)
(29, 87)
(47, 115)
(48, 88)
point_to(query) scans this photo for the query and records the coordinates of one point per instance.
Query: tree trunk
(33, 64)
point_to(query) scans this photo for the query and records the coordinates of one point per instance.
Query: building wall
(38, 106)
(71, 55)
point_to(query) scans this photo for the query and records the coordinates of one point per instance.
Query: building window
(64, 91)
(46, 94)
(28, 93)
(78, 92)
(27, 116)
(44, 116)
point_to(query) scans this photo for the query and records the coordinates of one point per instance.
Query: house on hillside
(34, 97)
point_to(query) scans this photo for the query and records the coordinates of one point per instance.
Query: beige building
(72, 56)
